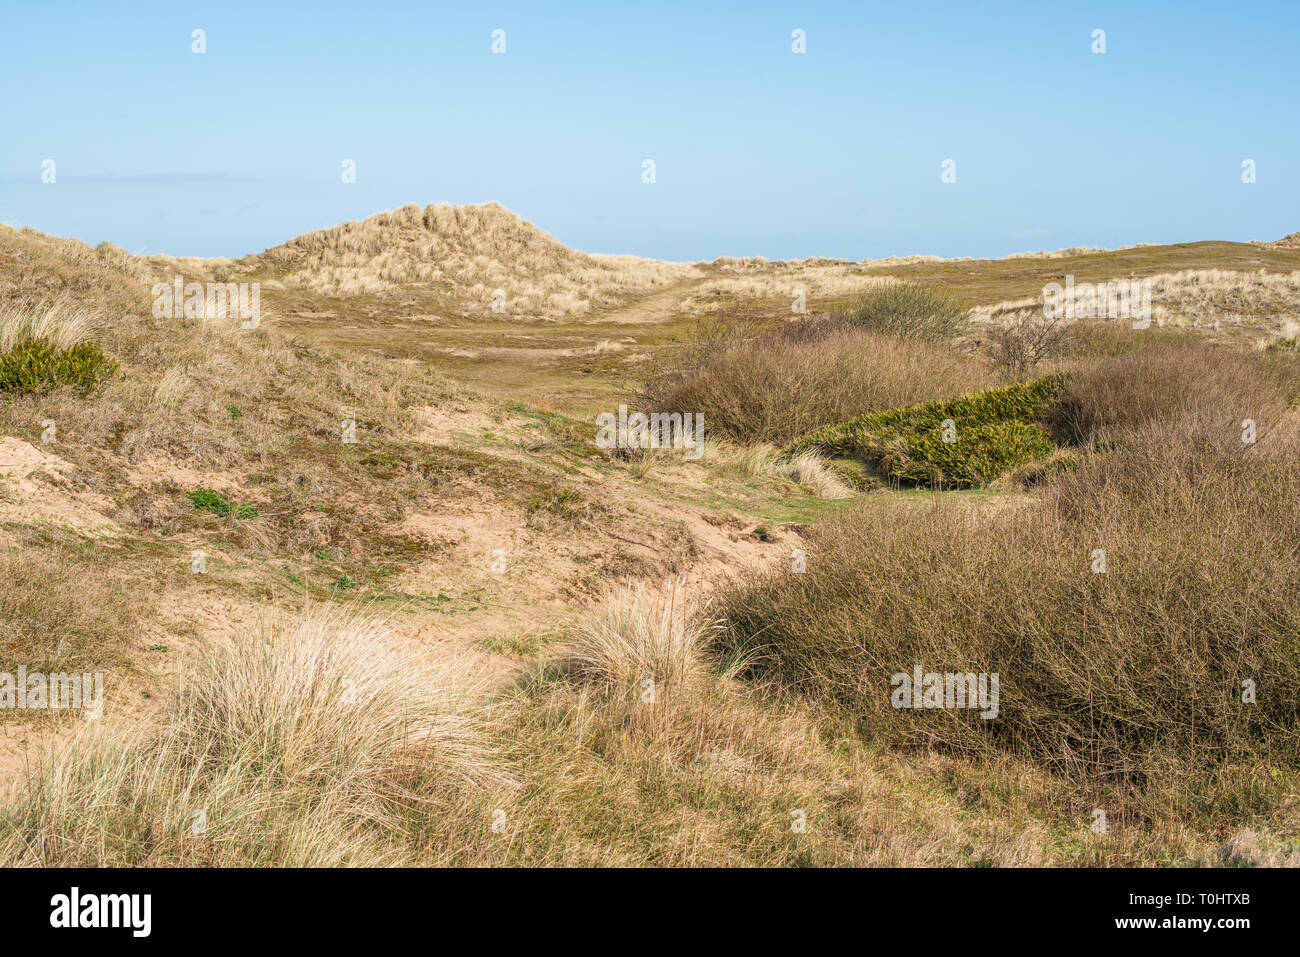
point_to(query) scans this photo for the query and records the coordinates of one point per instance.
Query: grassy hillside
(469, 261)
(492, 641)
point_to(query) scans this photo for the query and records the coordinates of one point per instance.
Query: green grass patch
(959, 443)
(210, 501)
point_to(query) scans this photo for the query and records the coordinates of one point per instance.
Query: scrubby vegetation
(1178, 385)
(910, 310)
(774, 386)
(1141, 616)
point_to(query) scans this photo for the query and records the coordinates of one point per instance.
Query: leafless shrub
(1025, 338)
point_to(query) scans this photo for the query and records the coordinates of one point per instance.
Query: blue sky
(758, 151)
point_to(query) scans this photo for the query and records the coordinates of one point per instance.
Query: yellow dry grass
(470, 252)
(59, 324)
(1261, 305)
(311, 746)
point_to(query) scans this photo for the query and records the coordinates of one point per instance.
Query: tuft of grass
(525, 643)
(171, 387)
(809, 470)
(746, 461)
(59, 325)
(214, 502)
(320, 744)
(640, 641)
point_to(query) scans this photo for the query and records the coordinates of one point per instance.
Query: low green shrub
(35, 366)
(978, 455)
(962, 443)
